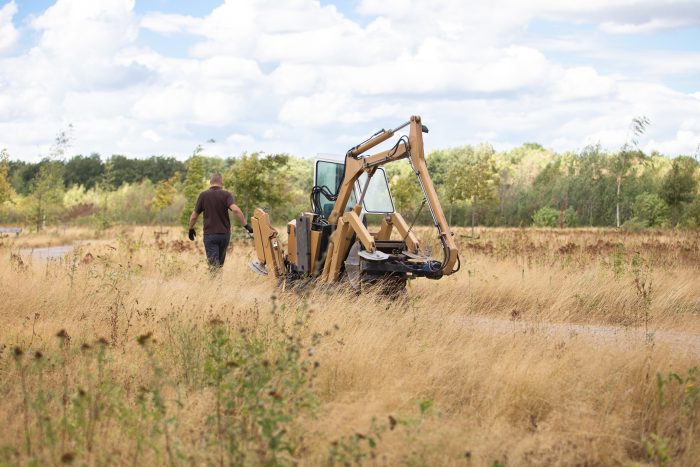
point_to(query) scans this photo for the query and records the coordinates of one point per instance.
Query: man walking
(215, 204)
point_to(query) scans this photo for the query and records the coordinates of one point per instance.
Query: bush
(651, 211)
(546, 217)
(691, 214)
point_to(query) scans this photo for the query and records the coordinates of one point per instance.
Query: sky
(161, 77)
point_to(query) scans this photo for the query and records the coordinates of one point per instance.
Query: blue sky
(162, 76)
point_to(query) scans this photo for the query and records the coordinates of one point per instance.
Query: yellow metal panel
(266, 240)
(315, 245)
(292, 241)
(384, 229)
(341, 245)
(358, 227)
(257, 239)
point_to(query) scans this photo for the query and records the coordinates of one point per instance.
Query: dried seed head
(17, 352)
(216, 322)
(392, 422)
(85, 347)
(68, 458)
(63, 334)
(144, 338)
(102, 341)
(38, 355)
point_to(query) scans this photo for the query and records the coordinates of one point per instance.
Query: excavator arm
(356, 164)
(341, 245)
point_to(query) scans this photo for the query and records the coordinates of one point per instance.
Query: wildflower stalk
(25, 398)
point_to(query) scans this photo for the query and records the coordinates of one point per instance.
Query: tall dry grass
(547, 348)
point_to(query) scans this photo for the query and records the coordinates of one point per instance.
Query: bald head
(216, 179)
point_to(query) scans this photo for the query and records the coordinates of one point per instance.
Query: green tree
(6, 190)
(47, 186)
(165, 194)
(194, 183)
(61, 143)
(473, 176)
(650, 210)
(299, 174)
(85, 171)
(157, 168)
(679, 185)
(258, 181)
(691, 215)
(21, 174)
(626, 159)
(46, 194)
(590, 185)
(106, 188)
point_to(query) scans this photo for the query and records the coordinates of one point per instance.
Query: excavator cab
(329, 172)
(333, 243)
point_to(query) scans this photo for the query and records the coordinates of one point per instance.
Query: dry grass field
(548, 347)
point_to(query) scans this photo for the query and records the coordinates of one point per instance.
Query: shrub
(634, 225)
(691, 216)
(651, 211)
(546, 217)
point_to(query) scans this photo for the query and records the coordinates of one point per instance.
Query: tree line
(527, 185)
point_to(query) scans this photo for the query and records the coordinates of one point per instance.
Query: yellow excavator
(332, 243)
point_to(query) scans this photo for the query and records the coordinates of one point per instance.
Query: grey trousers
(215, 248)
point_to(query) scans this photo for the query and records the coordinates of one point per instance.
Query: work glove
(248, 228)
(192, 234)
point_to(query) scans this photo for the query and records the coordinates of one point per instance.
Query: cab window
(330, 174)
(377, 200)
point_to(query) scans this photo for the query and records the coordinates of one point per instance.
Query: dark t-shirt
(214, 202)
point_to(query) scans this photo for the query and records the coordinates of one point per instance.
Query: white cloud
(168, 23)
(300, 77)
(582, 83)
(80, 28)
(643, 27)
(8, 32)
(152, 135)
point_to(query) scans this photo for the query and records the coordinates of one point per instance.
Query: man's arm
(193, 219)
(238, 214)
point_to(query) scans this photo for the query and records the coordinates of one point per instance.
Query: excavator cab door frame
(377, 199)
